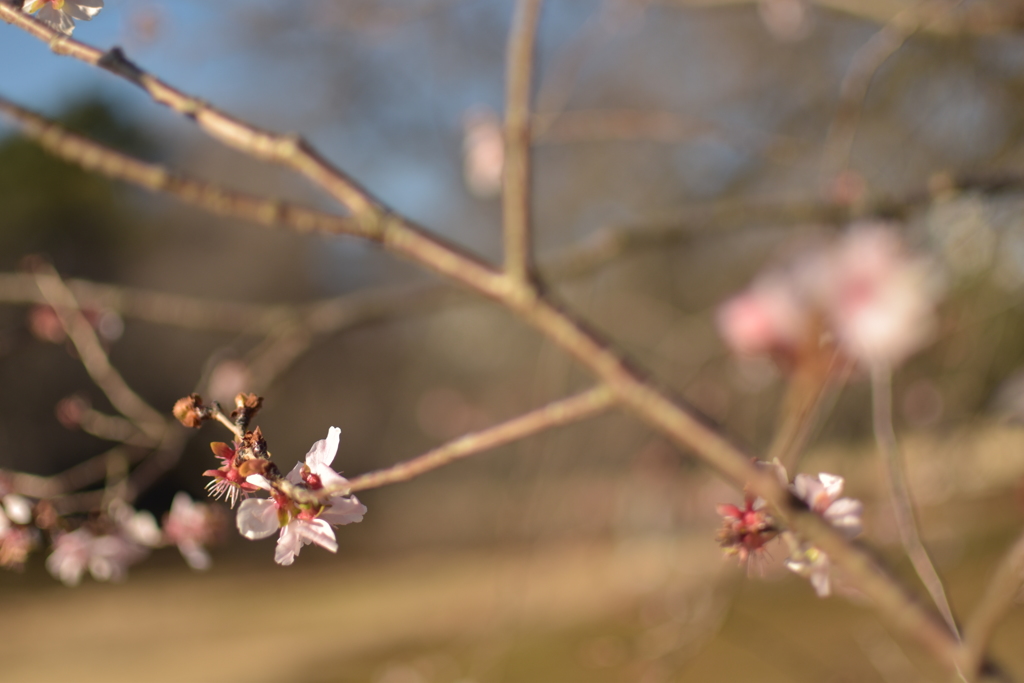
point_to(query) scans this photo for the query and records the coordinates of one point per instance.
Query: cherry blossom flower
(865, 292)
(880, 300)
(809, 562)
(191, 526)
(745, 531)
(126, 538)
(107, 557)
(301, 523)
(769, 318)
(61, 14)
(228, 481)
(822, 495)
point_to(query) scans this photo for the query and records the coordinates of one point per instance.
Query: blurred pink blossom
(107, 557)
(879, 299)
(875, 300)
(191, 526)
(769, 318)
(483, 152)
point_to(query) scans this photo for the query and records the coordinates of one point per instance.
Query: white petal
(56, 19)
(833, 484)
(195, 555)
(845, 514)
(258, 480)
(83, 9)
(142, 528)
(18, 508)
(329, 478)
(323, 451)
(257, 518)
(295, 476)
(288, 544)
(819, 579)
(318, 531)
(5, 524)
(806, 488)
(343, 511)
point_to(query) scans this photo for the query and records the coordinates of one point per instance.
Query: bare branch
(902, 503)
(215, 199)
(372, 220)
(515, 199)
(807, 395)
(863, 66)
(562, 412)
(94, 358)
(1000, 596)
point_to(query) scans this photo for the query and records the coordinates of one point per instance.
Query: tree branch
(562, 412)
(94, 359)
(902, 503)
(516, 183)
(1000, 596)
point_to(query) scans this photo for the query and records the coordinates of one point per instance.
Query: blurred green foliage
(78, 219)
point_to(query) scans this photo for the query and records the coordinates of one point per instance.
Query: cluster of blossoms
(746, 531)
(303, 506)
(61, 14)
(864, 294)
(106, 544)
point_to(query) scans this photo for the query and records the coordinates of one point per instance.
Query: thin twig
(516, 179)
(85, 473)
(976, 19)
(806, 396)
(94, 359)
(902, 503)
(631, 387)
(562, 412)
(1001, 595)
(864, 65)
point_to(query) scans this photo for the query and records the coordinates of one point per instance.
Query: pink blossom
(875, 300)
(483, 152)
(107, 557)
(301, 524)
(879, 300)
(822, 495)
(770, 317)
(191, 526)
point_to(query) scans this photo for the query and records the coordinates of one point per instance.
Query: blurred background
(682, 145)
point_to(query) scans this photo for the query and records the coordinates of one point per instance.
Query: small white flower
(821, 494)
(61, 14)
(299, 526)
